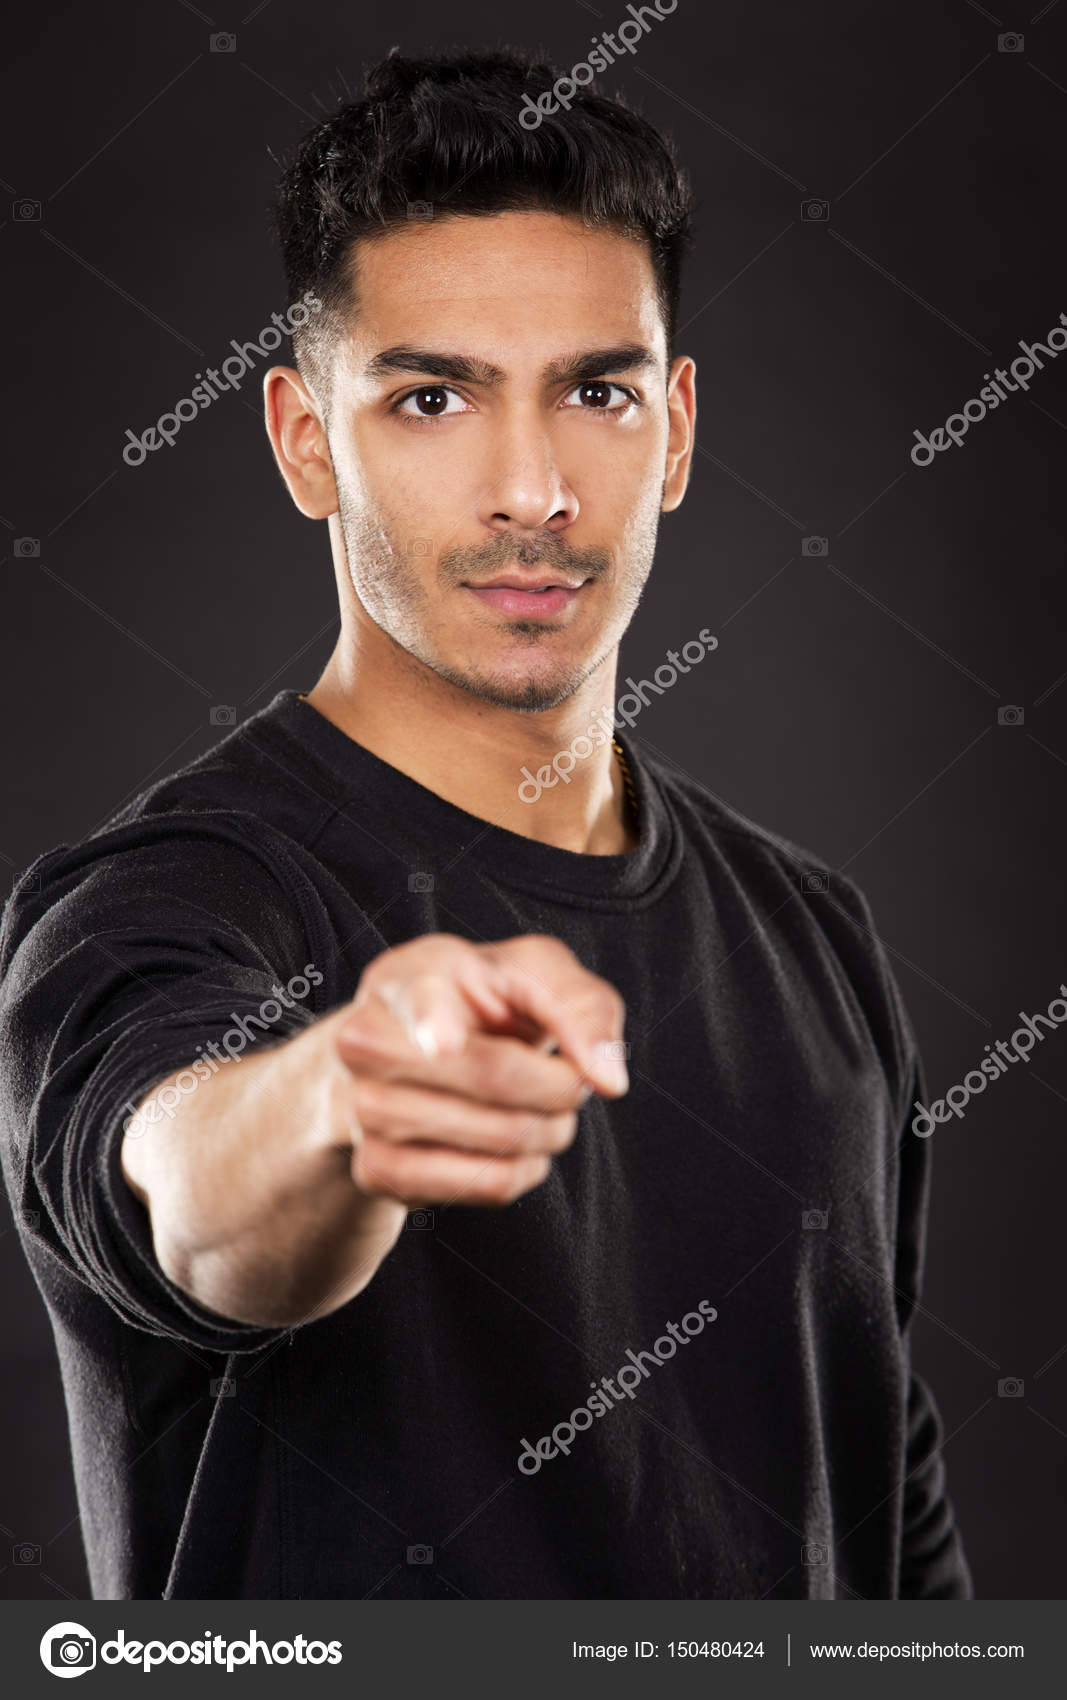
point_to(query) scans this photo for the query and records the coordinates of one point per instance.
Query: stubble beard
(390, 591)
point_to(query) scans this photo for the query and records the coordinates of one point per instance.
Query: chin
(527, 691)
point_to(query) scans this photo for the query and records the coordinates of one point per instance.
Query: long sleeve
(933, 1565)
(116, 972)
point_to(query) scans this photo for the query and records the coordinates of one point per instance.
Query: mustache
(476, 561)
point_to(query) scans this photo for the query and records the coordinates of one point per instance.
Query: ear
(298, 437)
(682, 413)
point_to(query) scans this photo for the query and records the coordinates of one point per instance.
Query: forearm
(249, 1188)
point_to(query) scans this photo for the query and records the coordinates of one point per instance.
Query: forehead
(528, 281)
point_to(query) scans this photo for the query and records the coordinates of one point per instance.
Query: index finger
(490, 1069)
(542, 979)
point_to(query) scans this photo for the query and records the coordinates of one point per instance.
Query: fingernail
(611, 1064)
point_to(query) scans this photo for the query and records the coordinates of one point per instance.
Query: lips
(526, 581)
(527, 595)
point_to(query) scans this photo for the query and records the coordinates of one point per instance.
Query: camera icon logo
(420, 1221)
(420, 1555)
(26, 212)
(25, 1552)
(68, 1649)
(815, 546)
(26, 882)
(421, 210)
(420, 882)
(422, 545)
(223, 42)
(223, 714)
(812, 880)
(814, 1218)
(815, 211)
(1010, 714)
(223, 1387)
(27, 548)
(617, 1048)
(815, 1554)
(1010, 1388)
(1010, 42)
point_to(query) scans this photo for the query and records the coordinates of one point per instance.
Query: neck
(473, 753)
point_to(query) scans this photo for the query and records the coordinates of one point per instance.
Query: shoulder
(259, 769)
(795, 897)
(227, 833)
(708, 820)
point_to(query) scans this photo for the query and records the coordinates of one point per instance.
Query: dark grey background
(852, 703)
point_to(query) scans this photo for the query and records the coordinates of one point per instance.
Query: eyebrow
(577, 368)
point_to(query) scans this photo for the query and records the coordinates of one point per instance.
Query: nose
(526, 489)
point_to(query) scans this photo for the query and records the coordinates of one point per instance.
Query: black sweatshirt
(677, 1369)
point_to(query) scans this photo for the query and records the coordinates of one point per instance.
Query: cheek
(641, 525)
(379, 511)
(626, 462)
(633, 490)
(417, 500)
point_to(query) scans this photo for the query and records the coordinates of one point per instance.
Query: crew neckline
(441, 832)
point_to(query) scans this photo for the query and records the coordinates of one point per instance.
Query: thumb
(431, 1011)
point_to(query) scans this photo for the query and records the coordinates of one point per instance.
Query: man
(316, 1073)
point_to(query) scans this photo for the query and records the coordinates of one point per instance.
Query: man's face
(499, 410)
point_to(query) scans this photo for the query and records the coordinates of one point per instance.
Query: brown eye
(430, 401)
(600, 396)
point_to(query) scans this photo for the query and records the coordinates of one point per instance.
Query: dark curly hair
(445, 131)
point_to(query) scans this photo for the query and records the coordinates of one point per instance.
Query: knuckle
(523, 1131)
(370, 1101)
(373, 1170)
(439, 954)
(538, 945)
(602, 1002)
(494, 1073)
(562, 1129)
(549, 941)
(361, 1035)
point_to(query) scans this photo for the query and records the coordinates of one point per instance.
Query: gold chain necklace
(626, 779)
(623, 766)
